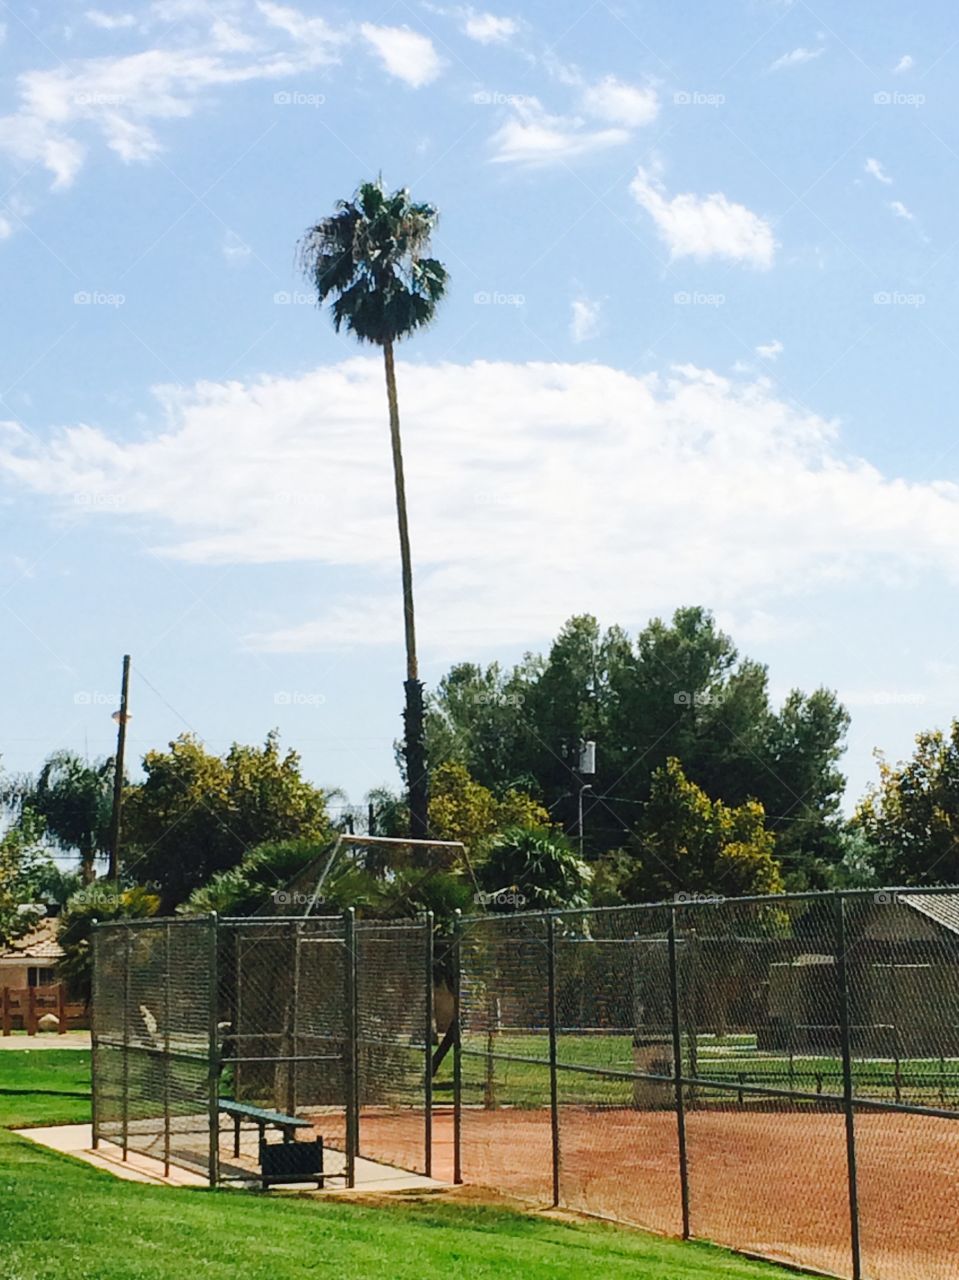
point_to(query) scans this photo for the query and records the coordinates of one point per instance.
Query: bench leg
(236, 1136)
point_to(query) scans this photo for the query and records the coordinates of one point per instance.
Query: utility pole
(121, 717)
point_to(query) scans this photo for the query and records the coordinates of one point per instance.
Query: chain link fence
(778, 1075)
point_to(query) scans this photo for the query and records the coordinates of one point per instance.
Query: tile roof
(41, 944)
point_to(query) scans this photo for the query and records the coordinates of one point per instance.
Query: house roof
(41, 944)
(941, 908)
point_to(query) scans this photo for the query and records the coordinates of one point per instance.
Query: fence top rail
(703, 902)
(885, 896)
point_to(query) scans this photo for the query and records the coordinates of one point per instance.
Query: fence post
(349, 1046)
(94, 1076)
(127, 938)
(457, 1051)
(845, 1027)
(428, 1047)
(214, 1049)
(678, 1072)
(166, 1050)
(553, 1081)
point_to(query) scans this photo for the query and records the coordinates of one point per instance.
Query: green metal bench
(262, 1118)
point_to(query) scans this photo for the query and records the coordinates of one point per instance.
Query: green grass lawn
(63, 1219)
(39, 1087)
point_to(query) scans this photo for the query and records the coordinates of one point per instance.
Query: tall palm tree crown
(369, 260)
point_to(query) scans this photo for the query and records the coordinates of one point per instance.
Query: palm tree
(72, 797)
(369, 260)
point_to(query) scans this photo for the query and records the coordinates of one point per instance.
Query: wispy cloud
(905, 63)
(620, 103)
(487, 28)
(533, 136)
(900, 210)
(770, 350)
(875, 170)
(584, 319)
(109, 21)
(407, 55)
(796, 58)
(701, 227)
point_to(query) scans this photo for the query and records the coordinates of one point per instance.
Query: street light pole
(121, 717)
(587, 766)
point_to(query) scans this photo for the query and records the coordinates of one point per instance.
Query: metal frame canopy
(347, 839)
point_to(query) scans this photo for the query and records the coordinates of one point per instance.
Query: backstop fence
(778, 1075)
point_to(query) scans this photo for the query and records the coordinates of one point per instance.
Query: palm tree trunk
(414, 746)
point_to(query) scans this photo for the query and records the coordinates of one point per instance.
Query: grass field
(62, 1218)
(734, 1059)
(40, 1087)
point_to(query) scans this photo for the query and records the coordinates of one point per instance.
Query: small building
(31, 961)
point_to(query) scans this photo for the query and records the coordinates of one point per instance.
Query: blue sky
(698, 348)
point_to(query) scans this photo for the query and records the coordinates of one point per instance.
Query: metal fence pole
(845, 1026)
(166, 1050)
(678, 1072)
(349, 1046)
(457, 1050)
(553, 1081)
(94, 1003)
(127, 937)
(428, 1047)
(214, 1050)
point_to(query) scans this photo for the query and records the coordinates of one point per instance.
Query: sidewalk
(49, 1040)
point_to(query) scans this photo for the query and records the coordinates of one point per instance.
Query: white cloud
(487, 28)
(653, 469)
(119, 100)
(900, 210)
(535, 137)
(875, 169)
(705, 226)
(618, 103)
(584, 319)
(109, 21)
(6, 228)
(406, 54)
(796, 58)
(905, 63)
(770, 350)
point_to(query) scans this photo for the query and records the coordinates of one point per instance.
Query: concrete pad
(69, 1040)
(77, 1140)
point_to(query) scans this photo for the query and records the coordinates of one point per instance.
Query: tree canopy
(680, 690)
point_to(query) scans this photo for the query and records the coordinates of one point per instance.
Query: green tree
(25, 871)
(73, 798)
(196, 813)
(96, 902)
(690, 844)
(370, 258)
(533, 869)
(463, 809)
(679, 690)
(911, 819)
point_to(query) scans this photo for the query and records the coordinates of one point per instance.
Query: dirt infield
(767, 1182)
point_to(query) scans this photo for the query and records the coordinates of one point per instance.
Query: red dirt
(766, 1182)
